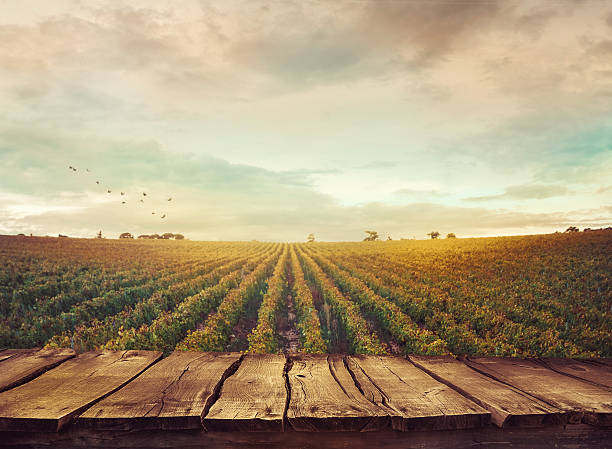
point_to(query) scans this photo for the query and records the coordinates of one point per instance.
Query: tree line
(165, 236)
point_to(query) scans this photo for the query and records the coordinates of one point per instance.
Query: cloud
(418, 193)
(378, 164)
(526, 192)
(305, 114)
(212, 199)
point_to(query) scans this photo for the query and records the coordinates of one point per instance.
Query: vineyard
(545, 295)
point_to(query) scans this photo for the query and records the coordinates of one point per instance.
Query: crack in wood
(165, 390)
(288, 365)
(230, 371)
(545, 364)
(79, 411)
(355, 381)
(383, 396)
(456, 388)
(525, 393)
(333, 373)
(114, 361)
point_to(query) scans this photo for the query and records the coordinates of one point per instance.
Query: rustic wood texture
(6, 354)
(595, 372)
(252, 399)
(578, 436)
(508, 406)
(21, 367)
(324, 397)
(172, 394)
(581, 400)
(51, 401)
(420, 401)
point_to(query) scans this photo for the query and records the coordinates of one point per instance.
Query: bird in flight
(144, 194)
(152, 213)
(170, 199)
(73, 169)
(97, 182)
(87, 169)
(142, 201)
(108, 191)
(164, 216)
(122, 202)
(122, 193)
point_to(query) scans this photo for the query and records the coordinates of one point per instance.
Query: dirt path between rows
(287, 323)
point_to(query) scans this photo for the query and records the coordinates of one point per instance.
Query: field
(545, 295)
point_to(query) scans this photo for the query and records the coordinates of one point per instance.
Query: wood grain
(6, 354)
(508, 406)
(252, 399)
(172, 394)
(579, 436)
(582, 401)
(21, 367)
(324, 397)
(594, 372)
(52, 400)
(420, 402)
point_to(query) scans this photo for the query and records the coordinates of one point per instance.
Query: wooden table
(189, 399)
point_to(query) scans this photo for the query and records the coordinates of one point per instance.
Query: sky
(272, 120)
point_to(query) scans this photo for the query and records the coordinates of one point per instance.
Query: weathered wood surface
(419, 401)
(6, 354)
(50, 401)
(20, 367)
(508, 406)
(253, 398)
(127, 392)
(582, 401)
(577, 436)
(595, 372)
(324, 397)
(172, 394)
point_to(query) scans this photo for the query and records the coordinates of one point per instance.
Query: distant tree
(155, 236)
(126, 235)
(167, 235)
(179, 237)
(389, 238)
(434, 234)
(21, 235)
(589, 230)
(310, 238)
(373, 235)
(144, 236)
(99, 235)
(451, 235)
(62, 236)
(572, 229)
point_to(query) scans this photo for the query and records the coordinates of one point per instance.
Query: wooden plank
(52, 400)
(6, 354)
(24, 366)
(253, 398)
(324, 397)
(580, 399)
(508, 406)
(172, 394)
(595, 372)
(420, 401)
(578, 436)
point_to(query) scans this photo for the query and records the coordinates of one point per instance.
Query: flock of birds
(109, 191)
